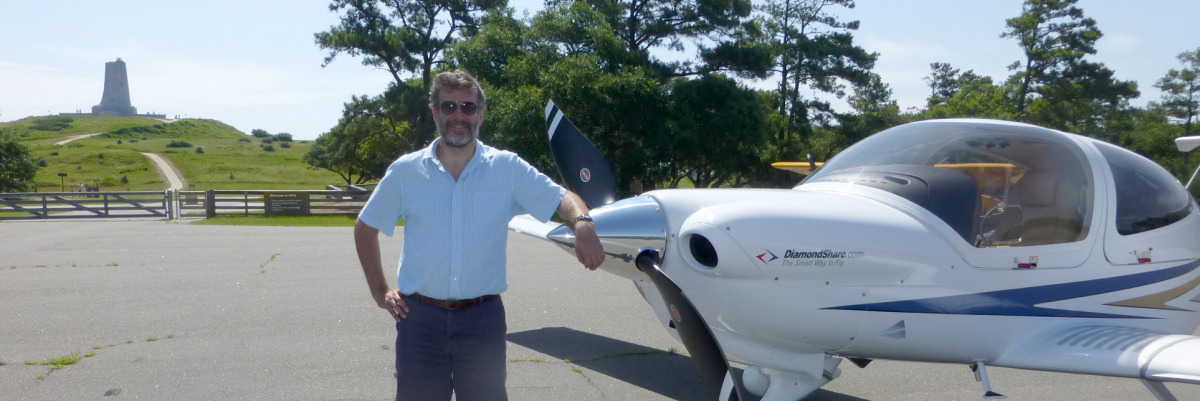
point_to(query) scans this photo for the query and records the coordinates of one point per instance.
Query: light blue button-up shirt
(456, 232)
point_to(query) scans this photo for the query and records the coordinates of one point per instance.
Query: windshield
(997, 184)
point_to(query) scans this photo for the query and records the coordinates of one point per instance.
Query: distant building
(115, 101)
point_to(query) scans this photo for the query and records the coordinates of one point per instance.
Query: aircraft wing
(1109, 350)
(526, 224)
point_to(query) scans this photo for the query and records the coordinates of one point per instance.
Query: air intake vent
(703, 251)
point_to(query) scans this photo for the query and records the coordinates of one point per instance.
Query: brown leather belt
(457, 304)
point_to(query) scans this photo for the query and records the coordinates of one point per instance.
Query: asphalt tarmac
(172, 311)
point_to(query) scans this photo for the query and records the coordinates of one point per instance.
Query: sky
(253, 64)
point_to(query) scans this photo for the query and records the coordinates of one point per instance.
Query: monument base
(114, 110)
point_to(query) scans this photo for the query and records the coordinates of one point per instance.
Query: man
(456, 197)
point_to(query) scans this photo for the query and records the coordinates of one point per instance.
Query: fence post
(210, 204)
(167, 204)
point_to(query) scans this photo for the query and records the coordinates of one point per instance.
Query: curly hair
(450, 80)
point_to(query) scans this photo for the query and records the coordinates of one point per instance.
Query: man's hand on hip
(393, 301)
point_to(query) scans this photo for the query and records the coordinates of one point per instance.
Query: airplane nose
(626, 228)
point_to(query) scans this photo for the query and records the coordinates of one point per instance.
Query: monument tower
(115, 101)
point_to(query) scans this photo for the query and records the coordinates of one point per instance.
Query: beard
(452, 135)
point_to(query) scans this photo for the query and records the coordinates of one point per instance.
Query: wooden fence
(85, 205)
(177, 204)
(213, 203)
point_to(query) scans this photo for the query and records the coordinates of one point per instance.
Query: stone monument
(115, 101)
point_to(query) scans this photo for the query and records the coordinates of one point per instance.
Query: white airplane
(975, 242)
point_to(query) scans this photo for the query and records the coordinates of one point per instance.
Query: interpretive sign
(286, 203)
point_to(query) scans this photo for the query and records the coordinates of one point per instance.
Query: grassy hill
(209, 153)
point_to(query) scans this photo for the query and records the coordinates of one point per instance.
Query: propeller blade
(579, 161)
(693, 331)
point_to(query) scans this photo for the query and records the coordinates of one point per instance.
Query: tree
(1053, 34)
(875, 111)
(1181, 90)
(812, 49)
(642, 25)
(719, 131)
(406, 38)
(976, 97)
(571, 53)
(945, 82)
(1072, 92)
(362, 145)
(17, 165)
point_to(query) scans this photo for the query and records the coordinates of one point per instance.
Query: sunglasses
(468, 108)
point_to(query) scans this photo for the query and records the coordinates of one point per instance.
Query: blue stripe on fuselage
(1023, 301)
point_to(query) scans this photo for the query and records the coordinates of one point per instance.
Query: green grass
(230, 160)
(280, 221)
(57, 363)
(79, 125)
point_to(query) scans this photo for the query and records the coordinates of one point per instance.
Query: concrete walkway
(174, 178)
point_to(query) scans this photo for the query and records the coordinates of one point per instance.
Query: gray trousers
(439, 351)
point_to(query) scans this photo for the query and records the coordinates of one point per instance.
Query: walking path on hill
(69, 139)
(174, 178)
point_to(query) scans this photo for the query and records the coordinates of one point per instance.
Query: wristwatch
(583, 217)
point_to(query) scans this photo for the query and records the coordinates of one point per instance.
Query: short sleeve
(535, 193)
(382, 210)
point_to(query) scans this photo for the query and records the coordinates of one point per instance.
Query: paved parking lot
(174, 311)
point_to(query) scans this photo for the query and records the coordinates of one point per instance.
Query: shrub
(285, 144)
(179, 144)
(268, 140)
(283, 137)
(100, 156)
(124, 179)
(55, 123)
(260, 133)
(200, 149)
(244, 140)
(268, 148)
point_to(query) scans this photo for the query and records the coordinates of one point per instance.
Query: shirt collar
(482, 152)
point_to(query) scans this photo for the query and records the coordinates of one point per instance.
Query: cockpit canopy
(996, 184)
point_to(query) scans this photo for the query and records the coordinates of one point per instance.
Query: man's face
(455, 126)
